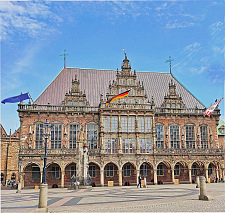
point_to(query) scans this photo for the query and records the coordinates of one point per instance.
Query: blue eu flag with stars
(15, 99)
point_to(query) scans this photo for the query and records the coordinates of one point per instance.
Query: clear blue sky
(34, 34)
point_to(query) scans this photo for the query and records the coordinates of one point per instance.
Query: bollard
(203, 195)
(43, 198)
(197, 181)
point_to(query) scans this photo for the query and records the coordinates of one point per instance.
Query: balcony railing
(56, 108)
(28, 151)
(188, 151)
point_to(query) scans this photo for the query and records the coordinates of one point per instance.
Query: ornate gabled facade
(163, 137)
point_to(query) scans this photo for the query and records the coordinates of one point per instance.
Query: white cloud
(24, 18)
(193, 48)
(198, 70)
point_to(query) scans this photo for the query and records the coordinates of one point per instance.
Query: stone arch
(54, 174)
(111, 173)
(181, 171)
(215, 171)
(113, 162)
(94, 172)
(128, 173)
(164, 172)
(70, 174)
(32, 174)
(29, 163)
(197, 169)
(148, 171)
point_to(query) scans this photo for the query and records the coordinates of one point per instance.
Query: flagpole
(30, 96)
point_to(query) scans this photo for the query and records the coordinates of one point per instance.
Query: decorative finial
(169, 60)
(64, 54)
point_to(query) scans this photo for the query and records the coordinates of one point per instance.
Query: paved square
(155, 198)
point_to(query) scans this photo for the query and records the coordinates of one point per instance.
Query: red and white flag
(212, 108)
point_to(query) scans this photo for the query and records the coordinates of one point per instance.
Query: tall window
(109, 170)
(39, 136)
(177, 170)
(128, 123)
(174, 137)
(143, 169)
(193, 169)
(128, 145)
(73, 135)
(131, 124)
(56, 136)
(160, 170)
(144, 124)
(124, 126)
(159, 137)
(190, 137)
(107, 124)
(111, 124)
(92, 171)
(145, 145)
(55, 172)
(141, 124)
(204, 137)
(73, 171)
(92, 134)
(126, 170)
(111, 145)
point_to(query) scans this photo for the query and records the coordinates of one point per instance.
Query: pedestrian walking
(139, 181)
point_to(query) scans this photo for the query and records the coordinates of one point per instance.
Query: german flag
(121, 95)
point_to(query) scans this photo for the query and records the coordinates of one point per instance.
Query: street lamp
(46, 127)
(43, 196)
(144, 160)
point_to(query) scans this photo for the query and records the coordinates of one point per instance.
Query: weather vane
(64, 54)
(169, 60)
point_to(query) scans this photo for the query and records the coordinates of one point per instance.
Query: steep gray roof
(95, 82)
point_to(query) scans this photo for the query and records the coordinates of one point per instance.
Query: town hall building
(157, 132)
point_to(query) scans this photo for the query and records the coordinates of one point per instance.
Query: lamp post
(145, 185)
(43, 196)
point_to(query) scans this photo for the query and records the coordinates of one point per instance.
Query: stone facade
(163, 138)
(9, 155)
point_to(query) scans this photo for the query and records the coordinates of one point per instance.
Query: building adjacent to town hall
(157, 131)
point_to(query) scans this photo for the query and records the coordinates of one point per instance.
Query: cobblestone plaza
(155, 198)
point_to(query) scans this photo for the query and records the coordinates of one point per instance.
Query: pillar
(217, 174)
(62, 178)
(41, 171)
(206, 175)
(189, 173)
(223, 176)
(102, 177)
(138, 173)
(120, 177)
(43, 198)
(203, 195)
(155, 176)
(172, 169)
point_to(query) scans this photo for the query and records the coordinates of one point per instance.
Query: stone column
(137, 136)
(102, 177)
(203, 195)
(120, 177)
(217, 173)
(138, 173)
(189, 173)
(41, 171)
(119, 135)
(62, 178)
(172, 171)
(223, 176)
(207, 175)
(155, 176)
